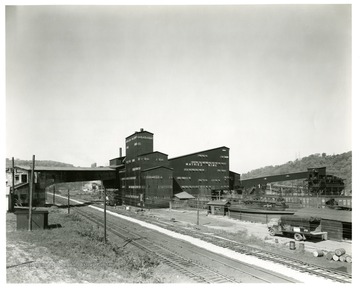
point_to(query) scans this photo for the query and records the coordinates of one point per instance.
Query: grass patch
(92, 260)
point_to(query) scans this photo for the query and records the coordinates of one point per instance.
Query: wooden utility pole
(31, 192)
(104, 215)
(54, 194)
(68, 197)
(197, 218)
(12, 192)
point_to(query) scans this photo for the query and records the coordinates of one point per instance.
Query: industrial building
(144, 176)
(147, 178)
(202, 172)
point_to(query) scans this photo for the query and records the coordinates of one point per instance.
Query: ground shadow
(54, 226)
(73, 206)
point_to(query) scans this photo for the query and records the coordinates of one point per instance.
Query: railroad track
(289, 262)
(201, 273)
(196, 271)
(278, 258)
(191, 268)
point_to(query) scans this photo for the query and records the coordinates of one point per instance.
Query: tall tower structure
(146, 180)
(139, 143)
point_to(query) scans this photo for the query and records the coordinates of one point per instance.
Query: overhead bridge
(46, 176)
(318, 181)
(255, 182)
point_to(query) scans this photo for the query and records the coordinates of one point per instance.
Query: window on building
(24, 178)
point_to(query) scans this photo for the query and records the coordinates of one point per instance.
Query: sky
(271, 82)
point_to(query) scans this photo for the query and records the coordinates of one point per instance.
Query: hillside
(339, 165)
(45, 163)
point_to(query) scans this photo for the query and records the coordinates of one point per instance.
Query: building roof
(154, 168)
(326, 213)
(118, 158)
(199, 152)
(219, 202)
(117, 166)
(17, 186)
(137, 132)
(184, 196)
(42, 168)
(157, 152)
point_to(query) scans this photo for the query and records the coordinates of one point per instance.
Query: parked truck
(300, 228)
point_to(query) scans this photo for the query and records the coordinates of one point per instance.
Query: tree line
(339, 165)
(42, 163)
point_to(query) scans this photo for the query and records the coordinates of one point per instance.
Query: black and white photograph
(179, 143)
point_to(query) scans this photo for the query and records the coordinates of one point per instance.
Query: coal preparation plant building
(147, 178)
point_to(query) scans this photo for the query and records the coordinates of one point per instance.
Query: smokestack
(120, 151)
(141, 129)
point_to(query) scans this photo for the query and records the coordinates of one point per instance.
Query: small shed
(180, 200)
(337, 223)
(219, 207)
(184, 196)
(39, 219)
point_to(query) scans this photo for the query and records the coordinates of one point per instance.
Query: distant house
(21, 184)
(219, 207)
(183, 196)
(21, 176)
(180, 200)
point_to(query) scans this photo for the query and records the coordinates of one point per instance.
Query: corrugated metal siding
(203, 171)
(158, 184)
(234, 180)
(333, 228)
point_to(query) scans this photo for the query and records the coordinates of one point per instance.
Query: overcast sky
(272, 83)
